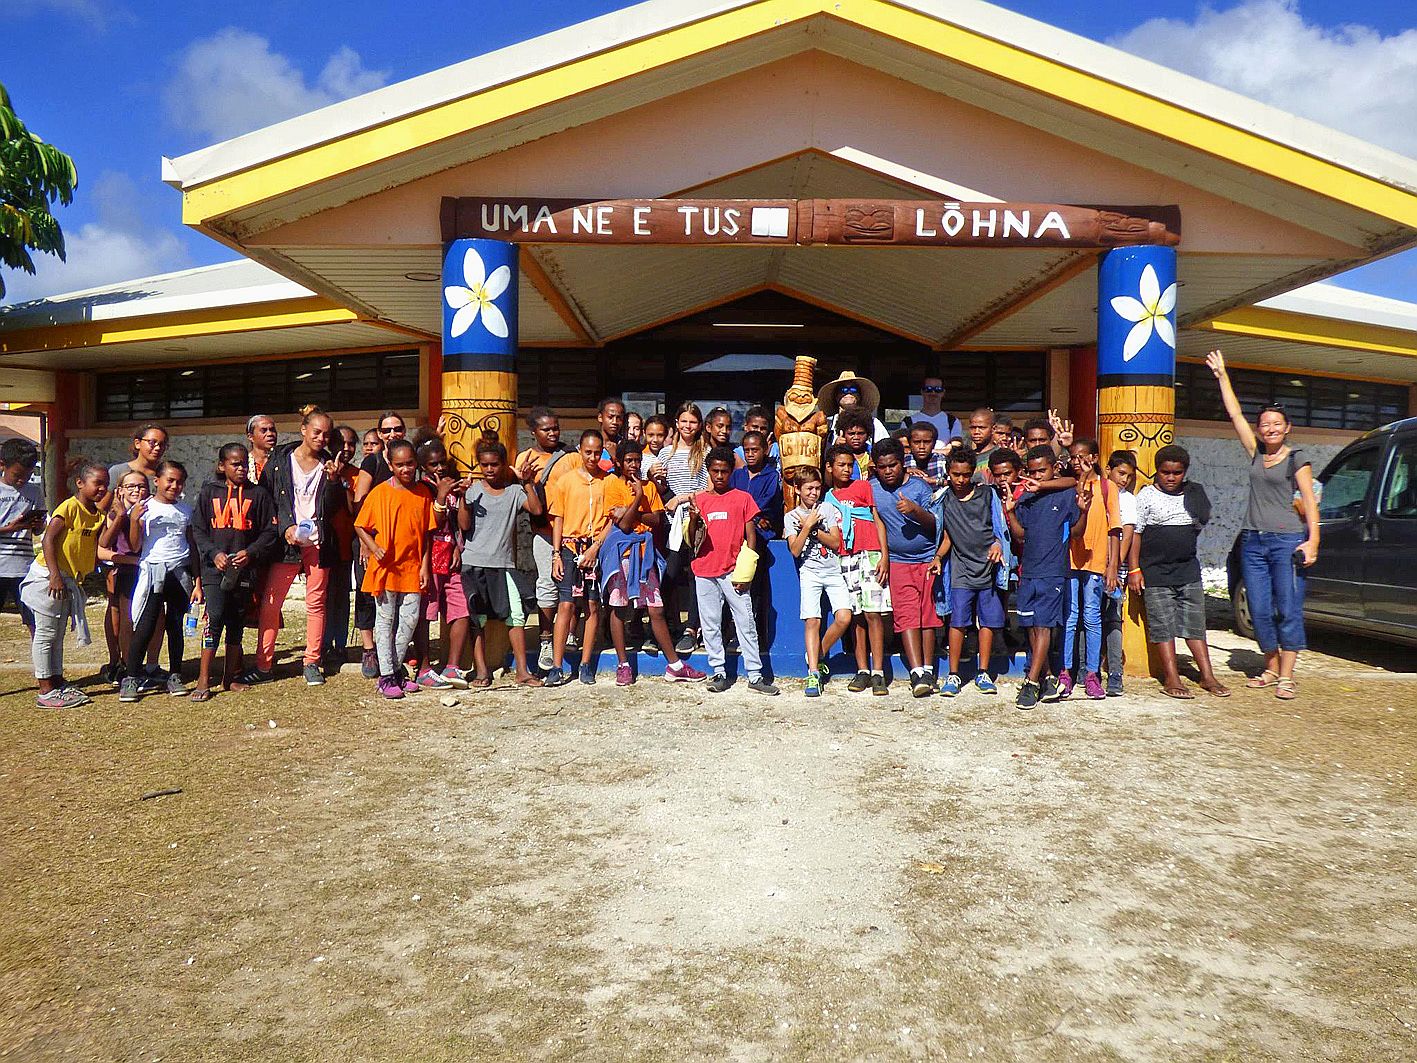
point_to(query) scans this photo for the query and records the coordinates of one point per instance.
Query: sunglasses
(387, 431)
(849, 389)
(933, 389)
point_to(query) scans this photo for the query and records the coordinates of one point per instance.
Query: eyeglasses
(387, 431)
(848, 389)
(153, 442)
(933, 389)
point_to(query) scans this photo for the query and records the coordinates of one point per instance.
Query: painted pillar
(1136, 378)
(479, 379)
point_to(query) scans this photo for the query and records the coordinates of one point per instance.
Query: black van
(1365, 579)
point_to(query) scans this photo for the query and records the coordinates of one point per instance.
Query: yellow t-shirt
(78, 550)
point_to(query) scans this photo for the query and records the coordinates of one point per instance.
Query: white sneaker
(547, 659)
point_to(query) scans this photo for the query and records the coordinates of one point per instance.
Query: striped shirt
(16, 547)
(682, 481)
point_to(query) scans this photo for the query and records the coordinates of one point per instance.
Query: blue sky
(118, 85)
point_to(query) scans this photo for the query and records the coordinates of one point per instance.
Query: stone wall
(196, 452)
(1220, 465)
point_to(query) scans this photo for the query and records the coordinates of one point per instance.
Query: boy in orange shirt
(1094, 556)
(579, 516)
(394, 523)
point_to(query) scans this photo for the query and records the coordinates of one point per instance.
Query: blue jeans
(1085, 603)
(1275, 585)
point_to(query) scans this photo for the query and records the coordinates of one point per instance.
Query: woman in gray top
(1280, 536)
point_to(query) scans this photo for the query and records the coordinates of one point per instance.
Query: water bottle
(304, 531)
(189, 626)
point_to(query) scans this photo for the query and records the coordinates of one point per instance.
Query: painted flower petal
(1150, 288)
(457, 296)
(463, 319)
(1129, 309)
(494, 321)
(1165, 331)
(497, 283)
(1136, 339)
(473, 271)
(1168, 301)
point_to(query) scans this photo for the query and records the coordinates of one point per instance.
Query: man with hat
(851, 392)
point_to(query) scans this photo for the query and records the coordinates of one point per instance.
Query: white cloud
(1351, 78)
(231, 83)
(119, 245)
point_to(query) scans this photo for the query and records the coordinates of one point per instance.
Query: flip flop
(200, 695)
(530, 681)
(1178, 693)
(480, 682)
(1218, 692)
(1259, 682)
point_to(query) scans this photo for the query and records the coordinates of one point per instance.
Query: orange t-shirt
(400, 520)
(1100, 520)
(579, 500)
(620, 493)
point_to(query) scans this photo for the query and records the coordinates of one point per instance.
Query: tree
(33, 175)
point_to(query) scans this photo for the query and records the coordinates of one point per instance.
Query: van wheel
(1240, 612)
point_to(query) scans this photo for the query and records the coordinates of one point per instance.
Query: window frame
(1376, 450)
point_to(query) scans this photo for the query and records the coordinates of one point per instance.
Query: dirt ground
(662, 873)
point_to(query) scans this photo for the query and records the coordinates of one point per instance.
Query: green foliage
(33, 175)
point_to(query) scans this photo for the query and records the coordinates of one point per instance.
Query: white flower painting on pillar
(478, 297)
(1148, 313)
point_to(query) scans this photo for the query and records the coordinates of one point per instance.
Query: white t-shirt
(305, 489)
(16, 547)
(165, 532)
(1127, 508)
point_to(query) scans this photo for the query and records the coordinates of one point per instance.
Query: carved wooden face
(869, 223)
(800, 396)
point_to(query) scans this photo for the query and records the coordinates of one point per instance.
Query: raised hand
(1215, 362)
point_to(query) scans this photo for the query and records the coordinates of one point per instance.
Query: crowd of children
(649, 535)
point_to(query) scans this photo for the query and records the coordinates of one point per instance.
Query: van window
(1400, 494)
(1346, 485)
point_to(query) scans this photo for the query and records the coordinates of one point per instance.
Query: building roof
(475, 75)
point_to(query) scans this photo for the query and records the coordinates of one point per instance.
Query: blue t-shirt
(907, 540)
(766, 489)
(1046, 516)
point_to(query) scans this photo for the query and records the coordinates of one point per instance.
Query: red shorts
(912, 597)
(445, 595)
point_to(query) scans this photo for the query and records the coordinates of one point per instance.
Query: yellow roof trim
(213, 321)
(1264, 323)
(204, 203)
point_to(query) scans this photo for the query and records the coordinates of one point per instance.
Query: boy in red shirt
(865, 564)
(727, 516)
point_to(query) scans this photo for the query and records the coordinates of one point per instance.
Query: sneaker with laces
(1049, 690)
(1114, 685)
(684, 672)
(879, 687)
(453, 677)
(369, 664)
(546, 660)
(687, 643)
(951, 686)
(407, 682)
(922, 684)
(859, 682)
(824, 672)
(759, 685)
(431, 680)
(252, 676)
(1065, 684)
(175, 687)
(984, 684)
(1092, 684)
(719, 683)
(128, 689)
(51, 699)
(74, 697)
(587, 674)
(556, 677)
(150, 682)
(813, 688)
(624, 675)
(390, 687)
(314, 676)
(1027, 695)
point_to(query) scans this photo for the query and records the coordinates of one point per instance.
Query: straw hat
(870, 394)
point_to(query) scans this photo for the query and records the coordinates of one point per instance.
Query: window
(375, 381)
(1310, 401)
(1345, 490)
(1003, 382)
(1400, 494)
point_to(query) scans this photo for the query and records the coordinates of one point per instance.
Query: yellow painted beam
(288, 313)
(1267, 323)
(210, 201)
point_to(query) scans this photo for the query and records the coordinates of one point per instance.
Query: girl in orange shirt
(393, 526)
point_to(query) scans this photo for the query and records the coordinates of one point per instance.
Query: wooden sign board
(788, 222)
